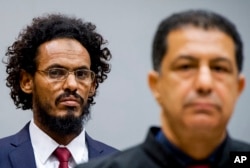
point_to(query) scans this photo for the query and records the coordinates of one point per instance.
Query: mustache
(67, 94)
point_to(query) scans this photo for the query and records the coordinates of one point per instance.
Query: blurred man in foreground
(196, 80)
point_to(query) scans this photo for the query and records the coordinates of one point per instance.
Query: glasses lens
(57, 73)
(83, 74)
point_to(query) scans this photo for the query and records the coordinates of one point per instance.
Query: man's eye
(54, 73)
(82, 74)
(185, 67)
(220, 69)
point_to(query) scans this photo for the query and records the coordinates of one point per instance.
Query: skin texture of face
(197, 88)
(61, 99)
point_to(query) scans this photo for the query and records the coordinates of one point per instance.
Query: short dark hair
(199, 18)
(21, 55)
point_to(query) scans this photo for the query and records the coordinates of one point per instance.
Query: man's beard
(61, 125)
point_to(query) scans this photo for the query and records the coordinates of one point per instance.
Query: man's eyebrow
(82, 67)
(222, 59)
(54, 66)
(192, 58)
(185, 57)
(60, 66)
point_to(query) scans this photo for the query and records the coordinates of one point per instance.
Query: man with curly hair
(54, 68)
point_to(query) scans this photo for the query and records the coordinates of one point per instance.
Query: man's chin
(61, 120)
(64, 123)
(68, 124)
(204, 125)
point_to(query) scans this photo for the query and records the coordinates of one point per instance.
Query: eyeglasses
(59, 74)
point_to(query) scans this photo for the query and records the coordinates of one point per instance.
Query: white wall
(125, 108)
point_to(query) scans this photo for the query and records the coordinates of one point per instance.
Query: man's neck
(197, 146)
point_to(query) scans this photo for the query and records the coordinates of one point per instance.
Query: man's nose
(70, 82)
(204, 80)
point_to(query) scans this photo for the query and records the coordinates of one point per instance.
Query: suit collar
(22, 155)
(94, 148)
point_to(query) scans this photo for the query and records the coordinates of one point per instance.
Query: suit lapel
(22, 154)
(94, 149)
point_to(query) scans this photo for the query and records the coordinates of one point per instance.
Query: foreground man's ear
(153, 79)
(241, 84)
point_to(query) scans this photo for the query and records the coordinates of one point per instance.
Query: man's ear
(241, 84)
(92, 89)
(153, 79)
(26, 82)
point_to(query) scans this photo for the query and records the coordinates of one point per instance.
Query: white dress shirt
(44, 146)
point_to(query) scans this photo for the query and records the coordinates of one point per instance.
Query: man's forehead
(199, 40)
(63, 45)
(62, 48)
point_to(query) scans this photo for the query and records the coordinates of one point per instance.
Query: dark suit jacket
(152, 154)
(16, 151)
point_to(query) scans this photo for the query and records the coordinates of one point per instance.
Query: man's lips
(203, 106)
(69, 101)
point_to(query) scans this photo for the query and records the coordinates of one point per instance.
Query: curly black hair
(21, 55)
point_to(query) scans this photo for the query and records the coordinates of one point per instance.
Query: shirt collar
(78, 148)
(43, 145)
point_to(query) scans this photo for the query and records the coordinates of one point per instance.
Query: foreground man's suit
(151, 154)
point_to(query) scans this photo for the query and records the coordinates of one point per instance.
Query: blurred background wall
(125, 107)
